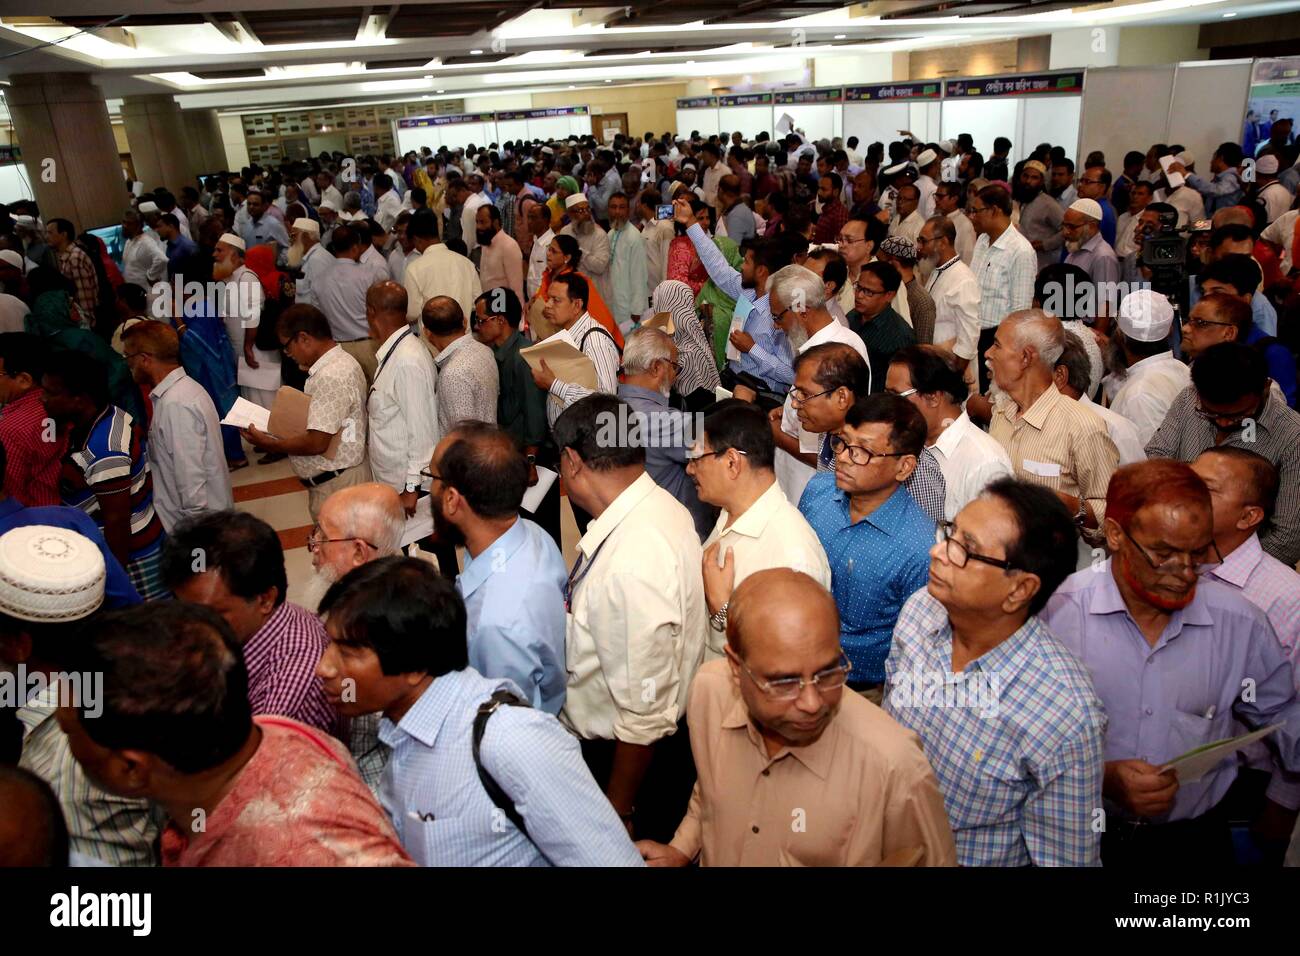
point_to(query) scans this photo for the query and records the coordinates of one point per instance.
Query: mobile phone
(664, 211)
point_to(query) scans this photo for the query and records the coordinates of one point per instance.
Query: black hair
(1045, 544)
(997, 197)
(836, 269)
(743, 426)
(483, 463)
(1232, 309)
(245, 550)
(907, 426)
(22, 352)
(1237, 270)
(405, 611)
(1230, 153)
(45, 841)
(1231, 232)
(835, 365)
(344, 238)
(175, 684)
(836, 181)
(599, 428)
(889, 277)
(64, 226)
(1134, 158)
(570, 248)
(1001, 144)
(1228, 372)
(1264, 482)
(577, 286)
(80, 375)
(503, 302)
(931, 370)
(303, 318)
(423, 225)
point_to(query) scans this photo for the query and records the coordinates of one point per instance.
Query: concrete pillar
(67, 144)
(159, 143)
(203, 133)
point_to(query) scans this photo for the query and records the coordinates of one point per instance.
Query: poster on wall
(1274, 96)
(892, 92)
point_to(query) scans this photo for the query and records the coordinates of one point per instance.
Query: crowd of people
(930, 506)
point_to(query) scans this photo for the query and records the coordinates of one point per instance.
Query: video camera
(1165, 255)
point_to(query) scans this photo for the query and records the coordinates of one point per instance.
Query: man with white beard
(259, 371)
(594, 243)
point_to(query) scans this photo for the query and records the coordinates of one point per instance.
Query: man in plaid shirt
(1008, 717)
(74, 263)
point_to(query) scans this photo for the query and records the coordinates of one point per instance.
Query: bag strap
(603, 331)
(494, 791)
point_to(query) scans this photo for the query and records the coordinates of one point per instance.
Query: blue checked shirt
(432, 793)
(876, 564)
(1005, 271)
(770, 358)
(1016, 739)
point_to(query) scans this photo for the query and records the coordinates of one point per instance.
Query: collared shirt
(387, 208)
(1097, 258)
(770, 533)
(115, 830)
(876, 564)
(627, 271)
(185, 451)
(439, 271)
(1189, 204)
(883, 335)
(770, 357)
(377, 263)
(521, 405)
(1059, 444)
(832, 219)
(1148, 390)
(1272, 587)
(593, 240)
(514, 602)
(398, 260)
(1184, 691)
(337, 388)
(1005, 271)
(178, 249)
(964, 243)
(1121, 431)
(926, 484)
(970, 459)
(666, 433)
(598, 345)
(467, 384)
(636, 619)
(144, 260)
(909, 227)
(444, 817)
(864, 778)
(537, 262)
(1015, 739)
(1275, 435)
(1220, 192)
(1040, 219)
(501, 263)
(956, 295)
(297, 802)
(341, 295)
(281, 658)
(403, 424)
(316, 263)
(265, 231)
(31, 473)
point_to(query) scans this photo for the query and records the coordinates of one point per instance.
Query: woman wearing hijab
(699, 375)
(684, 263)
(556, 203)
(562, 258)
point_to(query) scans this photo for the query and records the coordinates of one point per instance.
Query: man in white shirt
(471, 197)
(714, 170)
(241, 310)
(387, 204)
(970, 459)
(636, 619)
(403, 426)
(1004, 264)
(953, 288)
(1071, 373)
(657, 234)
(907, 221)
(144, 260)
(403, 252)
(539, 224)
(328, 191)
(1280, 235)
(627, 265)
(948, 201)
(438, 270)
(1154, 377)
(1276, 197)
(13, 310)
(928, 165)
(732, 466)
(341, 295)
(592, 240)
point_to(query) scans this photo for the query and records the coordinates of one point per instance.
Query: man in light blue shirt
(259, 229)
(627, 265)
(397, 630)
(513, 582)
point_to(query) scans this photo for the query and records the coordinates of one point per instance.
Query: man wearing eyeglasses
(1176, 658)
(1231, 403)
(1094, 184)
(857, 242)
(1004, 263)
(874, 319)
(774, 734)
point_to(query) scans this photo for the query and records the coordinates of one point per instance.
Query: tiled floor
(272, 493)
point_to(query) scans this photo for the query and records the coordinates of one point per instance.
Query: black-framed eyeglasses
(958, 554)
(799, 397)
(859, 454)
(1224, 421)
(976, 210)
(789, 688)
(1178, 560)
(314, 541)
(694, 454)
(869, 293)
(1203, 323)
(430, 475)
(677, 366)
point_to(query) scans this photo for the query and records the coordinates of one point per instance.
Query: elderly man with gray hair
(1052, 440)
(650, 369)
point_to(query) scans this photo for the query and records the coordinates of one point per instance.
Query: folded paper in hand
(244, 413)
(1199, 761)
(1175, 179)
(567, 362)
(533, 496)
(288, 418)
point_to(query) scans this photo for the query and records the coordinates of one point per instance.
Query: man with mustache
(1040, 214)
(1175, 658)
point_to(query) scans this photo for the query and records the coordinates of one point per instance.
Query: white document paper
(1175, 179)
(785, 124)
(1196, 763)
(533, 496)
(1043, 469)
(720, 394)
(420, 524)
(738, 316)
(244, 413)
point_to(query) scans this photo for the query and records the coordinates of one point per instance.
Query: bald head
(442, 316)
(385, 309)
(371, 512)
(1233, 214)
(777, 607)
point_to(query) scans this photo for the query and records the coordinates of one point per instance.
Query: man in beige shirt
(733, 468)
(1052, 441)
(793, 771)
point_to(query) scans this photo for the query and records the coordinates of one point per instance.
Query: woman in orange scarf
(562, 257)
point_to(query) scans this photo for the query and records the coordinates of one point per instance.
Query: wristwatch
(719, 621)
(412, 486)
(531, 459)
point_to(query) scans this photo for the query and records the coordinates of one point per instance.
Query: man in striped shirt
(1004, 264)
(233, 563)
(74, 263)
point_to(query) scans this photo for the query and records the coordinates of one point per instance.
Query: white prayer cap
(948, 146)
(926, 158)
(1089, 207)
(11, 257)
(1187, 159)
(573, 200)
(896, 168)
(330, 205)
(675, 187)
(147, 206)
(49, 574)
(230, 239)
(1145, 316)
(686, 166)
(28, 221)
(1267, 165)
(307, 225)
(547, 151)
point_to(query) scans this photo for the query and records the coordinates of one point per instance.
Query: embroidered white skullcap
(230, 239)
(1267, 165)
(574, 200)
(147, 206)
(1145, 316)
(303, 224)
(49, 574)
(926, 158)
(1089, 207)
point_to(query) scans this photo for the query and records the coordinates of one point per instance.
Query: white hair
(798, 288)
(369, 519)
(643, 348)
(1035, 329)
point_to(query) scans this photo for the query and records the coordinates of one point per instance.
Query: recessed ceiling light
(690, 62)
(573, 87)
(475, 52)
(609, 81)
(440, 91)
(841, 36)
(1226, 15)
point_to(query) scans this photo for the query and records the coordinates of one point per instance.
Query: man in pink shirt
(501, 263)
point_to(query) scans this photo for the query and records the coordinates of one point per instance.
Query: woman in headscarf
(699, 375)
(562, 258)
(556, 203)
(684, 263)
